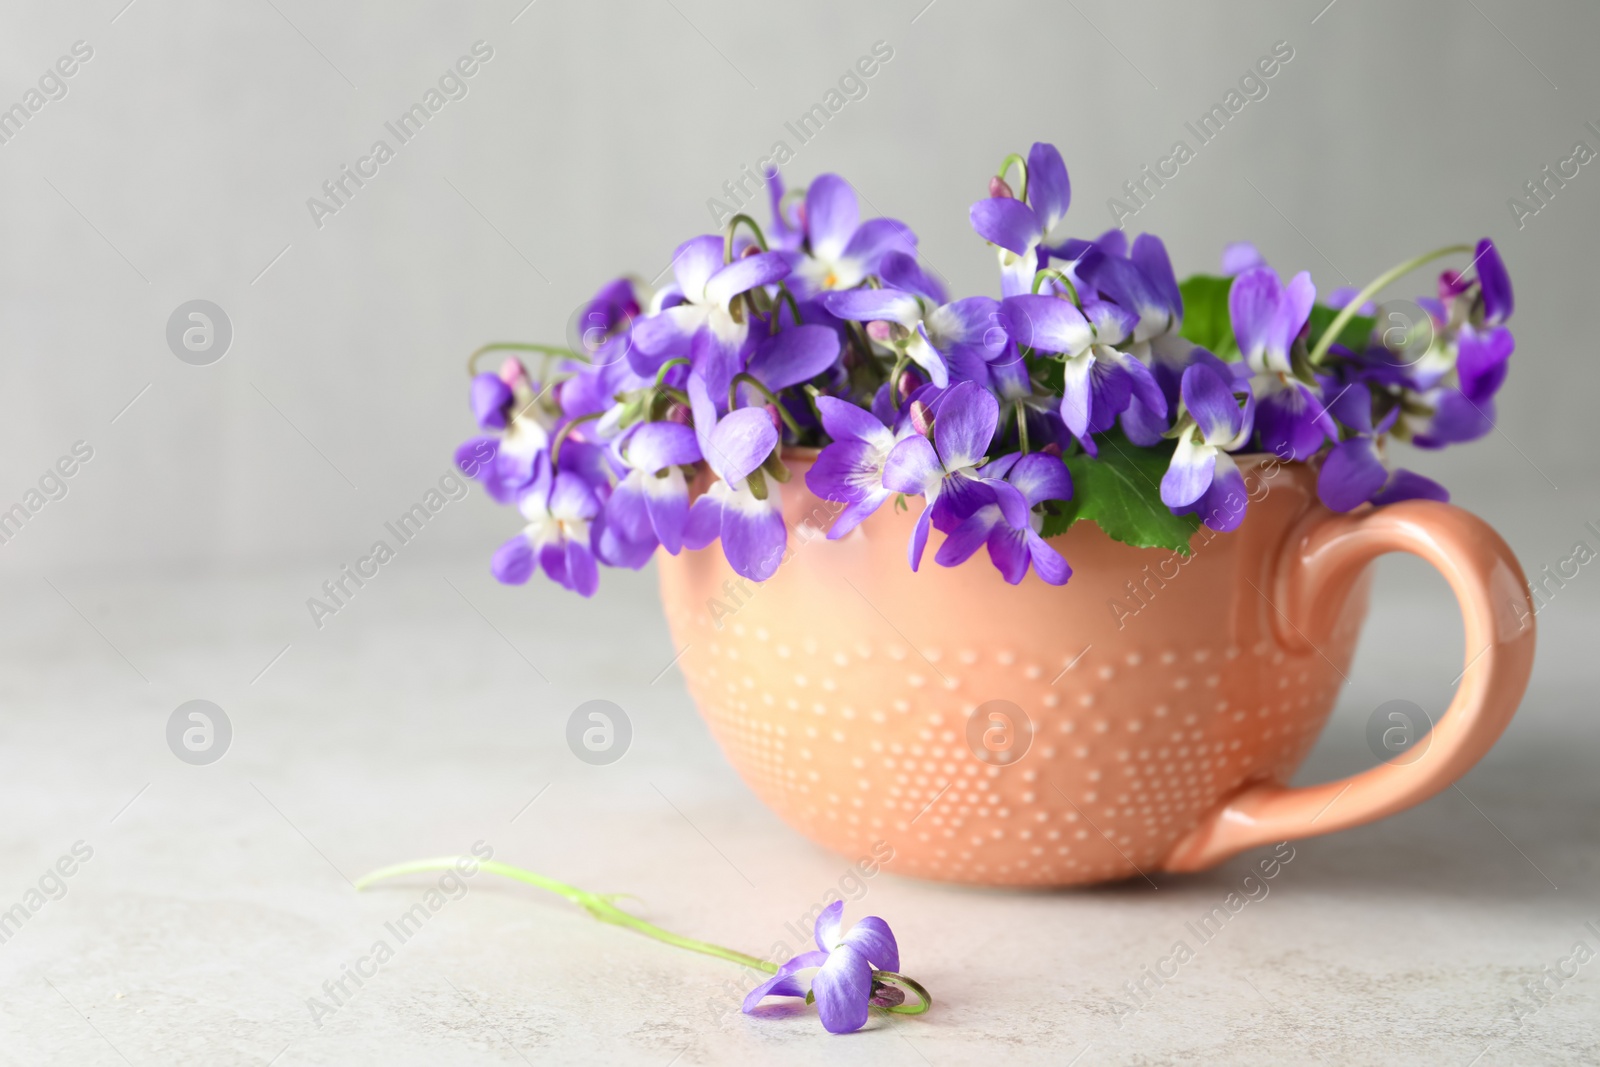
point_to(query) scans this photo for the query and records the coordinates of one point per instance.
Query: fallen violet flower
(853, 971)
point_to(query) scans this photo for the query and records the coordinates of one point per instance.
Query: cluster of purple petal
(671, 428)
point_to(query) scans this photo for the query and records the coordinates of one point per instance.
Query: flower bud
(677, 413)
(512, 371)
(880, 332)
(910, 382)
(772, 413)
(999, 190)
(921, 417)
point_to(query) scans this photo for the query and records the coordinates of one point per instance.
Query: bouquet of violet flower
(1096, 387)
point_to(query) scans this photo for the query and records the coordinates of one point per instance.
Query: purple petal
(1351, 474)
(1253, 307)
(1039, 476)
(898, 270)
(921, 351)
(717, 358)
(825, 931)
(965, 424)
(874, 305)
(705, 522)
(843, 987)
(667, 499)
(741, 443)
(919, 536)
(1008, 551)
(972, 320)
(490, 395)
(913, 466)
(1292, 422)
(1223, 506)
(1210, 400)
(693, 264)
(877, 238)
(1049, 189)
(795, 355)
(1077, 393)
(1190, 472)
(969, 535)
(475, 457)
(1298, 297)
(746, 273)
(1409, 485)
(1009, 223)
(1456, 418)
(1047, 324)
(1240, 256)
(753, 534)
(1497, 299)
(847, 471)
(783, 984)
(832, 215)
(667, 334)
(513, 562)
(846, 421)
(1047, 562)
(874, 940)
(1150, 256)
(654, 445)
(1481, 361)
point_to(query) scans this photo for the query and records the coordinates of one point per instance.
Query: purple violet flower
(1267, 318)
(703, 326)
(1202, 475)
(944, 470)
(1354, 472)
(751, 528)
(1016, 227)
(1009, 526)
(843, 249)
(850, 469)
(559, 508)
(843, 962)
(926, 336)
(650, 505)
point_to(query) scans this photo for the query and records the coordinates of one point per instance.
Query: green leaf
(1205, 314)
(1121, 492)
(1355, 335)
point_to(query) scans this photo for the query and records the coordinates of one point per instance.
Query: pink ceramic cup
(1146, 716)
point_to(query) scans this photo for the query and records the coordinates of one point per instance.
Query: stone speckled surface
(416, 723)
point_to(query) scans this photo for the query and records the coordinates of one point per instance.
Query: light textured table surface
(416, 722)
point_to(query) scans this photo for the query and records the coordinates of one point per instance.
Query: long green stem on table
(601, 906)
(1348, 312)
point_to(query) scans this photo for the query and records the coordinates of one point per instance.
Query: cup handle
(1321, 562)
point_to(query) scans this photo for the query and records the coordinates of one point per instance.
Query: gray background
(178, 565)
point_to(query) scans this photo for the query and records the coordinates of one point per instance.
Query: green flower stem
(517, 346)
(598, 905)
(1348, 312)
(661, 375)
(561, 435)
(727, 237)
(754, 383)
(1049, 273)
(1022, 168)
